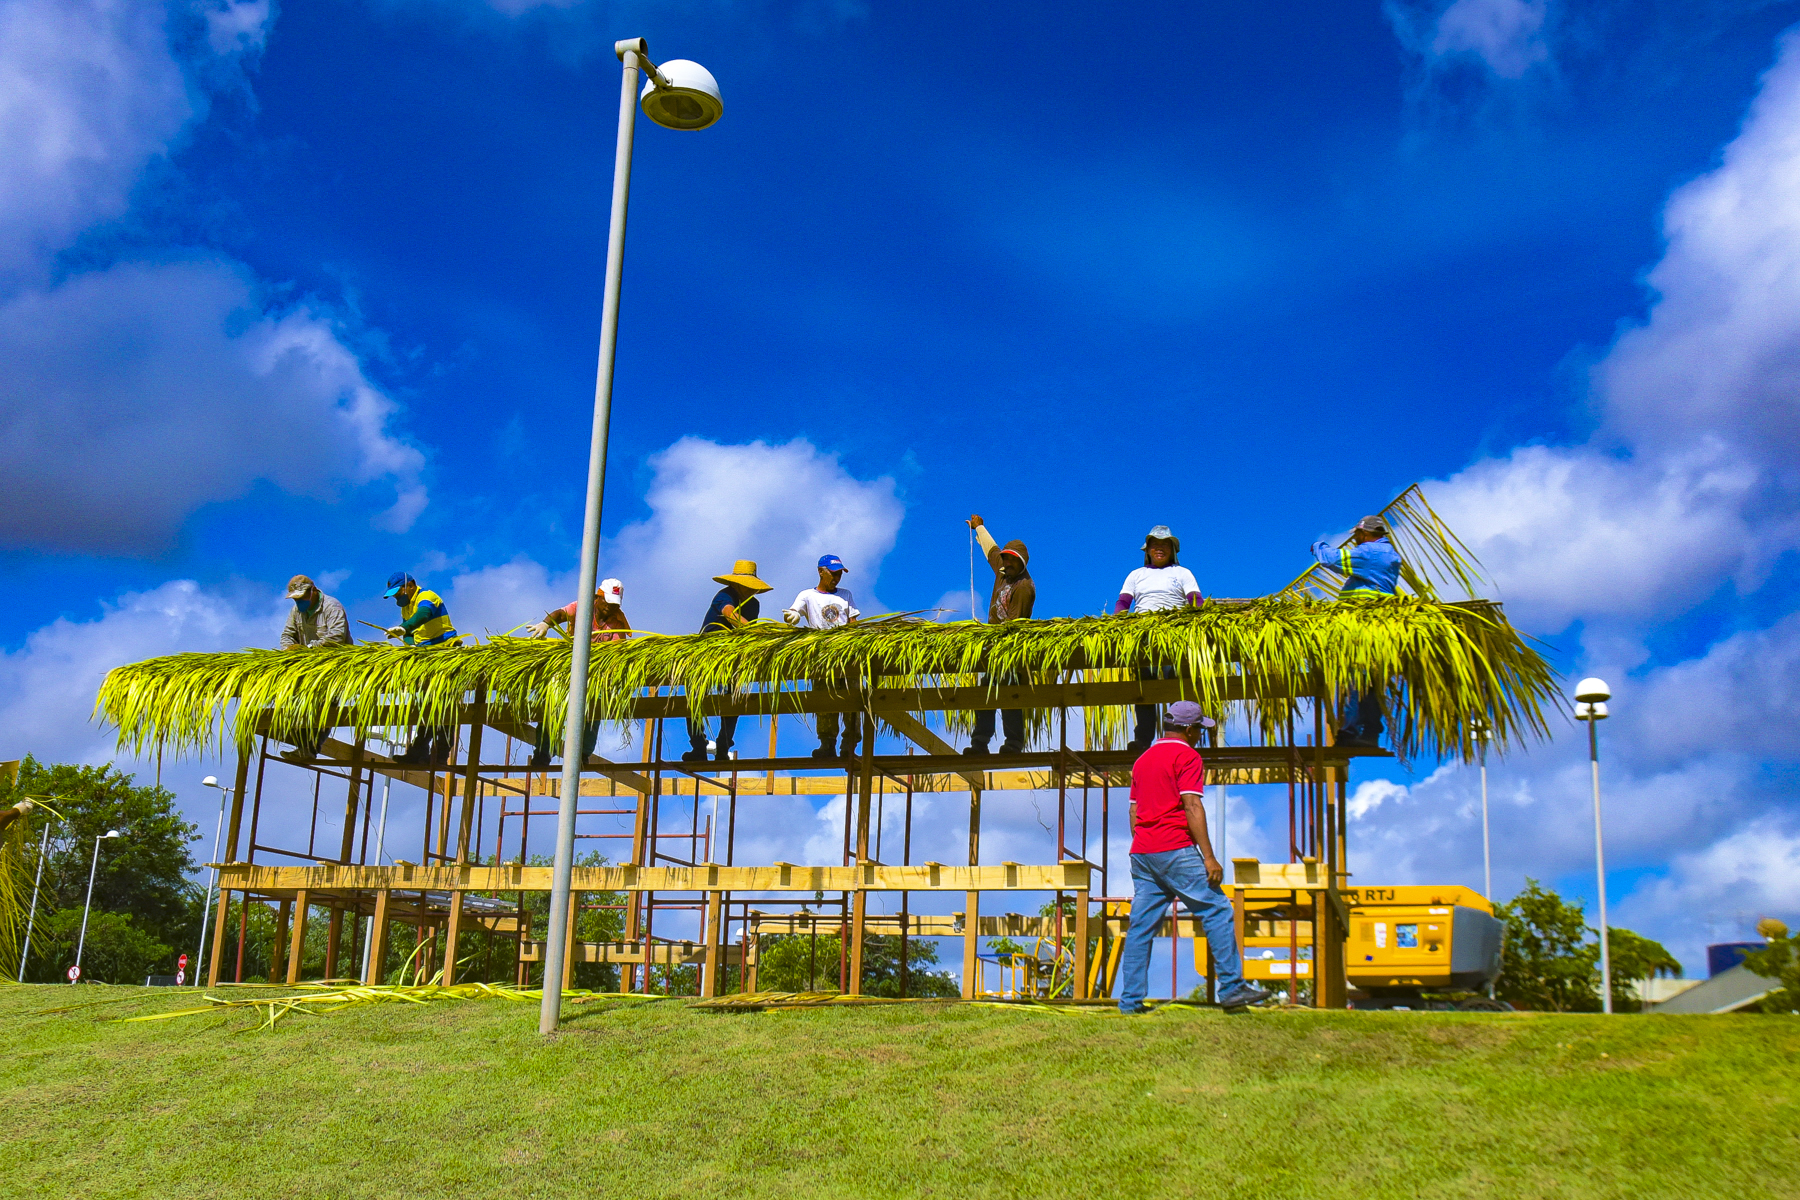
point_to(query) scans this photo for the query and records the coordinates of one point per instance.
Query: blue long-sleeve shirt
(1371, 567)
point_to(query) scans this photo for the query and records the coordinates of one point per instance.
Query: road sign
(180, 975)
(181, 963)
(74, 974)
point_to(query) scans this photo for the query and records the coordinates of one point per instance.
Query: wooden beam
(297, 948)
(378, 934)
(1081, 945)
(714, 963)
(276, 881)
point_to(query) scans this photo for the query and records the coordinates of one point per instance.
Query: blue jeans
(1158, 879)
(1363, 708)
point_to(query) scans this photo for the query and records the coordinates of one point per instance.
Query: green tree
(1547, 961)
(143, 875)
(1635, 957)
(1780, 961)
(117, 950)
(787, 962)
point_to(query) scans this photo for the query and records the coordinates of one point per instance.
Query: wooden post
(279, 943)
(334, 930)
(471, 790)
(1081, 945)
(715, 952)
(972, 918)
(297, 946)
(859, 904)
(378, 938)
(574, 936)
(233, 827)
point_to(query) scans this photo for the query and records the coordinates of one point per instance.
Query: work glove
(396, 631)
(791, 616)
(540, 629)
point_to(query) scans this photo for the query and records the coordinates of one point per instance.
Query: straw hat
(743, 572)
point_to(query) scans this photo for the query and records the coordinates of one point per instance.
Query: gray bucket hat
(1161, 533)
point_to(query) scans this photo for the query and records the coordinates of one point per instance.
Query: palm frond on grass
(323, 999)
(1442, 663)
(1431, 555)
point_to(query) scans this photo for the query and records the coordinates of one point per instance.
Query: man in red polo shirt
(1172, 856)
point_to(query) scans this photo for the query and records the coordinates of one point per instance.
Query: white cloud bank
(134, 394)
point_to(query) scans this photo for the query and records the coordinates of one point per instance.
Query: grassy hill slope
(633, 1099)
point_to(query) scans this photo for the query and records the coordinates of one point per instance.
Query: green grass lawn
(633, 1099)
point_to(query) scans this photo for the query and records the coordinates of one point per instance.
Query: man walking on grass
(1172, 857)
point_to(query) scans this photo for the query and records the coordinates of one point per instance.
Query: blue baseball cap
(396, 581)
(831, 562)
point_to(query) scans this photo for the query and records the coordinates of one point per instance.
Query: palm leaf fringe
(1442, 663)
(1429, 551)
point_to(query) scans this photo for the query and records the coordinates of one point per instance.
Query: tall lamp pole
(36, 883)
(1591, 696)
(679, 95)
(1484, 733)
(82, 944)
(206, 909)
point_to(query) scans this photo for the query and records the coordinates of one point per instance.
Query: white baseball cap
(612, 590)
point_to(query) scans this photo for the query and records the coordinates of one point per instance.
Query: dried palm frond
(321, 999)
(1431, 555)
(1441, 663)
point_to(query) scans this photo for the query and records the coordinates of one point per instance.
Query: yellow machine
(1409, 946)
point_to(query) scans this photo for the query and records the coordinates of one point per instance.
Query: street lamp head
(691, 101)
(1591, 690)
(210, 781)
(1591, 712)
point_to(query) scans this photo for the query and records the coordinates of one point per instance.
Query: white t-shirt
(1153, 589)
(821, 610)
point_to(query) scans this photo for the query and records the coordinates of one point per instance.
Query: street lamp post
(679, 95)
(206, 909)
(1484, 733)
(36, 883)
(82, 944)
(1591, 696)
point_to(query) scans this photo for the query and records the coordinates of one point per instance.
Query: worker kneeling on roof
(424, 621)
(1172, 858)
(608, 624)
(1371, 567)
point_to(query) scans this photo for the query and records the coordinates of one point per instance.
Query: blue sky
(316, 288)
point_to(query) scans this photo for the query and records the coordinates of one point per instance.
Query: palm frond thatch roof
(1444, 664)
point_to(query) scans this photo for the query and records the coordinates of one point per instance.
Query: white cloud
(89, 94)
(136, 394)
(239, 27)
(48, 685)
(781, 506)
(1507, 36)
(1719, 892)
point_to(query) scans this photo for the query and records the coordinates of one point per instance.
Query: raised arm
(1331, 556)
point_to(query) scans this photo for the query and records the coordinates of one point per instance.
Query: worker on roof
(316, 619)
(1371, 567)
(828, 606)
(733, 607)
(1172, 858)
(1012, 598)
(608, 624)
(424, 621)
(1162, 584)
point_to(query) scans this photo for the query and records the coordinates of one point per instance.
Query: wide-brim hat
(743, 573)
(1161, 533)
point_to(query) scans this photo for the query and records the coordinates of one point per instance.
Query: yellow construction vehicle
(1422, 947)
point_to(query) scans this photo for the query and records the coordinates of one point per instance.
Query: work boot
(694, 756)
(722, 754)
(539, 760)
(415, 754)
(1135, 747)
(1011, 747)
(827, 751)
(847, 750)
(977, 750)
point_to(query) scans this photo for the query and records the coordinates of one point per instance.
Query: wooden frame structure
(450, 889)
